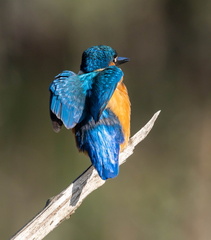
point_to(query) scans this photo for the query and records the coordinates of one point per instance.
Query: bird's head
(98, 57)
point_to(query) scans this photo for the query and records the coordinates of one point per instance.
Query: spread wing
(71, 93)
(103, 87)
(67, 100)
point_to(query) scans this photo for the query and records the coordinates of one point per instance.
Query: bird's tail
(102, 143)
(105, 160)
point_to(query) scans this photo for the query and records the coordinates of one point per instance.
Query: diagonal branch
(63, 205)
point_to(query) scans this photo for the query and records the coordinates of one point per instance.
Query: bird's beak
(121, 60)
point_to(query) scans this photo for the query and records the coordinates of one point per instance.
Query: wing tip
(56, 122)
(56, 126)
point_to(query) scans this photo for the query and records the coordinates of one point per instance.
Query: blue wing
(103, 87)
(67, 99)
(68, 95)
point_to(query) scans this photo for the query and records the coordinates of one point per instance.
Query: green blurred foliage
(163, 191)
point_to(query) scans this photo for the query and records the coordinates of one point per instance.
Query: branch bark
(63, 205)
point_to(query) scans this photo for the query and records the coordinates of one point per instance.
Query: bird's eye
(115, 59)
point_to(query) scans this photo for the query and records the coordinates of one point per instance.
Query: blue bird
(94, 103)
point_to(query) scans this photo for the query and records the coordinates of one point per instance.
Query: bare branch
(63, 205)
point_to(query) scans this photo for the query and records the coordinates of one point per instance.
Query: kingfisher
(95, 104)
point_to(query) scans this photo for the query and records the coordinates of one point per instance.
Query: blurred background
(163, 191)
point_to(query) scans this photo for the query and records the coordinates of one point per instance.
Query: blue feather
(101, 141)
(67, 98)
(103, 88)
(73, 95)
(97, 57)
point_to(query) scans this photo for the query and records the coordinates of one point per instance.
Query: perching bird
(94, 103)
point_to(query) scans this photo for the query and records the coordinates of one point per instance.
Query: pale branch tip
(63, 205)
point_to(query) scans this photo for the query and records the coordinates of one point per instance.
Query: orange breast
(120, 106)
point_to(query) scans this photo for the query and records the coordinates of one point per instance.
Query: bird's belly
(120, 106)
